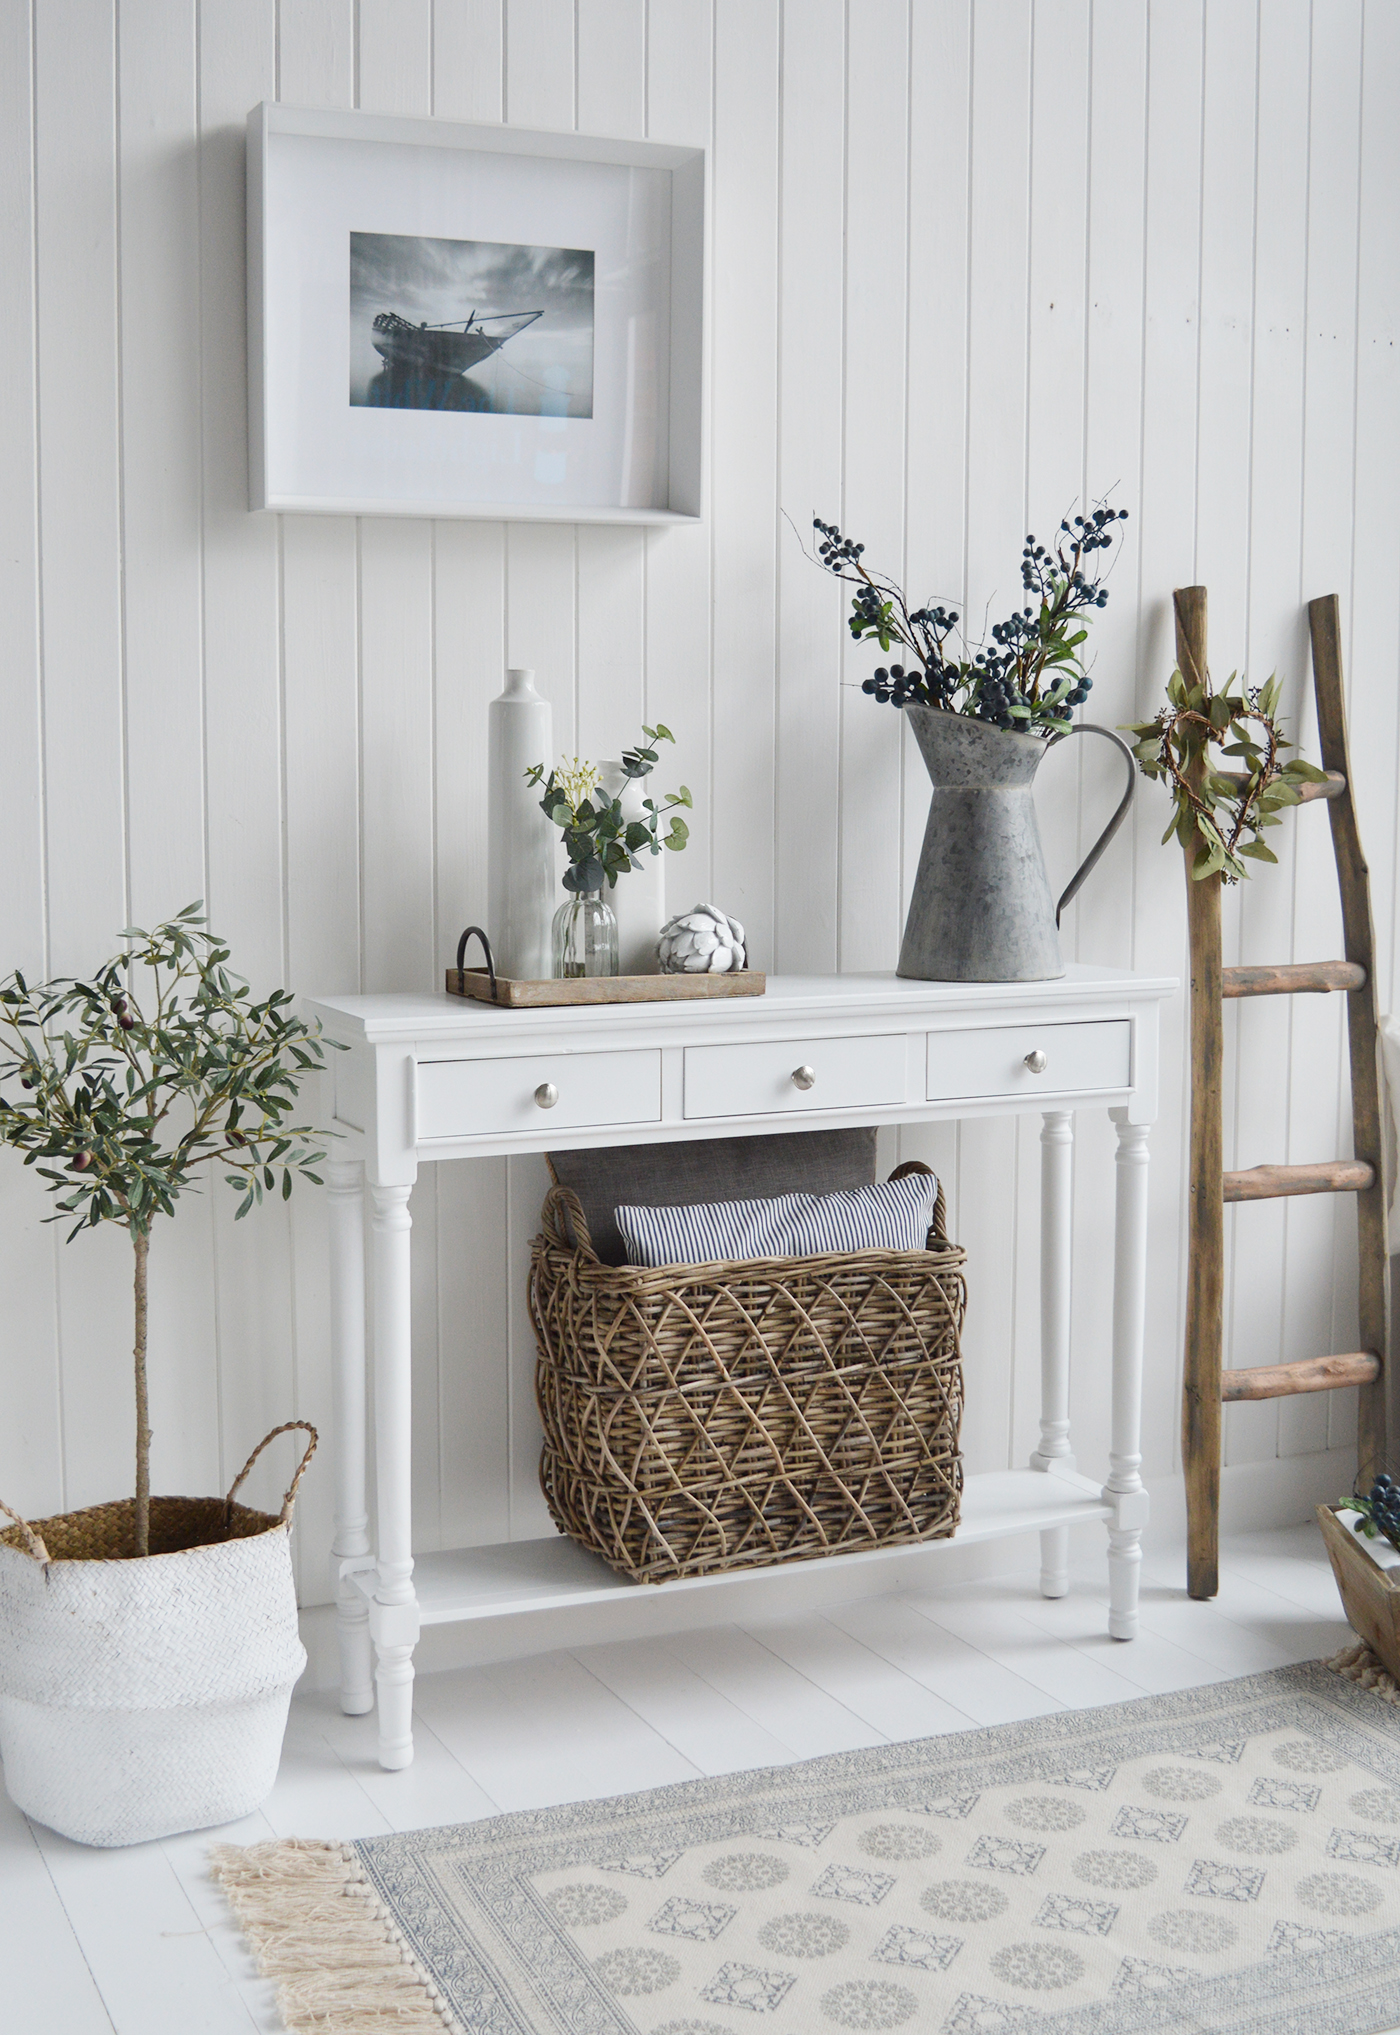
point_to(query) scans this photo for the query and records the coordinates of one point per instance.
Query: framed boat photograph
(452, 320)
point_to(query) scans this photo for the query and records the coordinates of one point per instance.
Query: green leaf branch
(1221, 813)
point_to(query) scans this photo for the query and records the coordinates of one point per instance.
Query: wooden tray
(516, 994)
(1370, 1594)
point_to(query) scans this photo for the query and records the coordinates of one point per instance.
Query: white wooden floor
(137, 1941)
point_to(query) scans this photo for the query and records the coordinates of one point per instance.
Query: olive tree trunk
(141, 1244)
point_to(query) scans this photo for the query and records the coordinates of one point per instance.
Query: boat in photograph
(445, 349)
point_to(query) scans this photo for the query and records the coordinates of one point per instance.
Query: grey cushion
(710, 1169)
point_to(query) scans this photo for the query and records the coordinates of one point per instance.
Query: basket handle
(287, 1427)
(33, 1542)
(562, 1202)
(939, 1226)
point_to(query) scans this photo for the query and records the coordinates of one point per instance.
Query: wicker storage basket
(725, 1416)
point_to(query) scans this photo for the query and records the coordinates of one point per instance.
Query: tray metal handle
(475, 932)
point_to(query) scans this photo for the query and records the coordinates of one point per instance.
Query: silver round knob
(546, 1095)
(804, 1077)
(1037, 1061)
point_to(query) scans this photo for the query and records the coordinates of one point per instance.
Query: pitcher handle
(1072, 888)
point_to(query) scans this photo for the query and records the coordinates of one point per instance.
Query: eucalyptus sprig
(122, 1088)
(600, 842)
(1223, 811)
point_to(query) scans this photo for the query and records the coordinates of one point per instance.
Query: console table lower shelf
(493, 1588)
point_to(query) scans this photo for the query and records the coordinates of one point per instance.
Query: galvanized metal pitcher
(982, 910)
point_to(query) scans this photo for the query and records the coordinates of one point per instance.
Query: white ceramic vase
(521, 886)
(638, 899)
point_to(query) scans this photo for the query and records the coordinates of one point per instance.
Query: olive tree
(123, 1089)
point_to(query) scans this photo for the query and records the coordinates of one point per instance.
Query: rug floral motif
(1222, 1859)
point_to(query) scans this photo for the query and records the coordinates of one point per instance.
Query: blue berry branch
(1380, 1510)
(1031, 674)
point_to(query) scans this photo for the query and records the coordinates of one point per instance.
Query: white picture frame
(378, 384)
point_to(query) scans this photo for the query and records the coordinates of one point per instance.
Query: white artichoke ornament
(704, 941)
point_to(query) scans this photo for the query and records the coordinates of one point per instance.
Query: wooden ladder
(1206, 1387)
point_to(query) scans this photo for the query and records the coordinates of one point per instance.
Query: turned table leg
(394, 1612)
(345, 1190)
(1124, 1489)
(1056, 1162)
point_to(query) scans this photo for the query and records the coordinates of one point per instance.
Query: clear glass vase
(585, 937)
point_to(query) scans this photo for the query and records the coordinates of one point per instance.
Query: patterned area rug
(1223, 1859)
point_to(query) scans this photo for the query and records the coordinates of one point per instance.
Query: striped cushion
(893, 1216)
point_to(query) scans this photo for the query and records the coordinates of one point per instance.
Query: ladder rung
(1332, 786)
(1289, 978)
(1315, 1374)
(1327, 1176)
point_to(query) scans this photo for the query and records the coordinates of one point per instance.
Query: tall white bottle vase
(520, 861)
(638, 899)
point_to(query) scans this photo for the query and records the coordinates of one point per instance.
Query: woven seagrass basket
(143, 1695)
(702, 1418)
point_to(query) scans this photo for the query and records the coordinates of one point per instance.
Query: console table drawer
(483, 1098)
(762, 1080)
(1091, 1057)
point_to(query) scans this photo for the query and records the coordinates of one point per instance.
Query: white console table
(436, 1077)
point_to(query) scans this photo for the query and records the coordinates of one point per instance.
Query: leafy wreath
(1225, 810)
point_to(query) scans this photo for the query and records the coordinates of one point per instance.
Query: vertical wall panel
(967, 262)
(1317, 1091)
(320, 732)
(611, 99)
(1057, 467)
(936, 458)
(75, 91)
(468, 1424)
(542, 630)
(678, 576)
(1113, 406)
(876, 334)
(468, 59)
(33, 1466)
(316, 52)
(242, 709)
(1166, 559)
(1276, 641)
(994, 494)
(812, 607)
(743, 437)
(540, 79)
(161, 489)
(469, 1421)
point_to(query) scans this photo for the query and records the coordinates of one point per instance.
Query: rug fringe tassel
(1359, 1664)
(316, 1926)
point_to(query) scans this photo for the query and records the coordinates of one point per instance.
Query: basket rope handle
(938, 1227)
(563, 1201)
(33, 1542)
(287, 1427)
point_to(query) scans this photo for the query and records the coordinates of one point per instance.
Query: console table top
(392, 1017)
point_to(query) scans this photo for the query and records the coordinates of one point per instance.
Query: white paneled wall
(970, 259)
